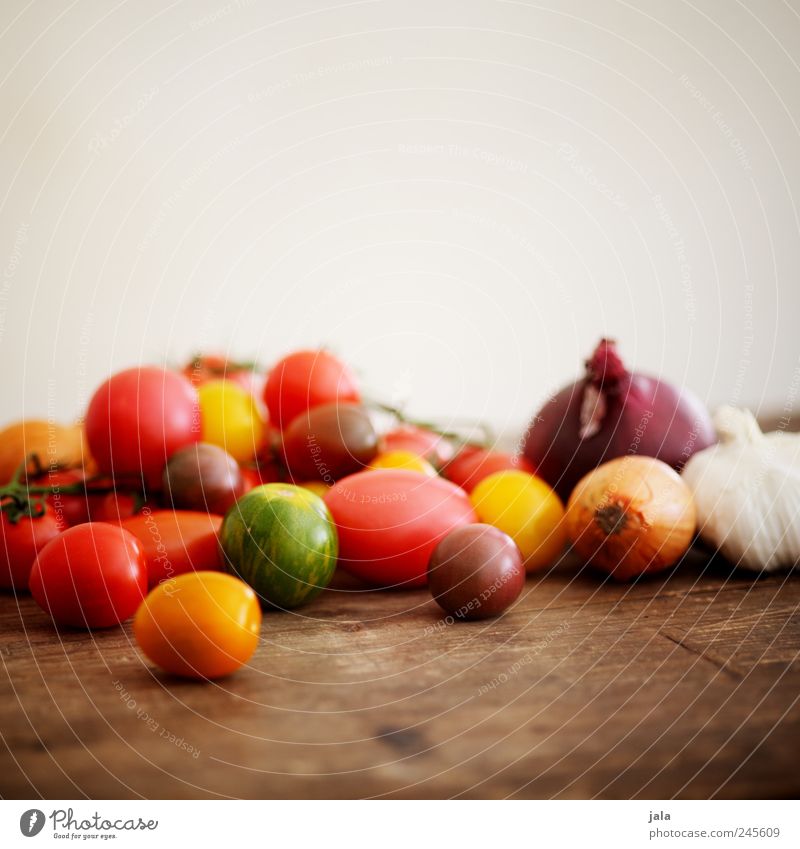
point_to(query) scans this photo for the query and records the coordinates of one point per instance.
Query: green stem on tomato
(19, 499)
(196, 362)
(454, 435)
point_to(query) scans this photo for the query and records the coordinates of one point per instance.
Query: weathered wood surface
(686, 685)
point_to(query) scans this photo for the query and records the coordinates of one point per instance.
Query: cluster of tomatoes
(218, 489)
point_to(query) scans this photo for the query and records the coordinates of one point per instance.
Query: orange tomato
(403, 460)
(199, 625)
(57, 446)
(317, 487)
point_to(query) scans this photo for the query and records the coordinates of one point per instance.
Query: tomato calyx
(219, 366)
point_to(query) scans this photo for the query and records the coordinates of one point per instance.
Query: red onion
(611, 412)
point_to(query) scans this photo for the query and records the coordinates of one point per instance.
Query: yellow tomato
(317, 487)
(199, 625)
(528, 510)
(231, 419)
(403, 460)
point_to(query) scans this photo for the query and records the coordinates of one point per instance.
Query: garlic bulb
(747, 492)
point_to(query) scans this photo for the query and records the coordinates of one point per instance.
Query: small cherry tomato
(20, 542)
(254, 476)
(231, 419)
(433, 447)
(138, 419)
(204, 368)
(114, 507)
(304, 380)
(471, 465)
(202, 477)
(59, 446)
(476, 572)
(250, 478)
(91, 576)
(317, 487)
(70, 509)
(328, 442)
(176, 541)
(200, 625)
(98, 504)
(528, 510)
(403, 460)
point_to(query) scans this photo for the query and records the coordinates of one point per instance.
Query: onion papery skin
(631, 516)
(638, 415)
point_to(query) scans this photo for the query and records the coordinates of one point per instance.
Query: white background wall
(460, 197)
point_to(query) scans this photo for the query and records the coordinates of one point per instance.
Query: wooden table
(681, 686)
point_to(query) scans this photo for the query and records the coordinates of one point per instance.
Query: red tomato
(96, 505)
(471, 465)
(424, 443)
(206, 367)
(138, 418)
(390, 521)
(91, 576)
(176, 541)
(306, 379)
(250, 478)
(113, 507)
(264, 473)
(21, 542)
(70, 509)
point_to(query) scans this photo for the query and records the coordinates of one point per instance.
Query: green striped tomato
(281, 540)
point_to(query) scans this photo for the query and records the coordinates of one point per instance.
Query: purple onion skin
(639, 415)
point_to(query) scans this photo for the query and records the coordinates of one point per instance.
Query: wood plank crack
(716, 662)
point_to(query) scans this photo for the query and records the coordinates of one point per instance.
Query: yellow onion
(631, 516)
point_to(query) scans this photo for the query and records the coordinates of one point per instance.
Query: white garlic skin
(747, 493)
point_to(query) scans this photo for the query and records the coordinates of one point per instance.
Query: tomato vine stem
(456, 436)
(20, 499)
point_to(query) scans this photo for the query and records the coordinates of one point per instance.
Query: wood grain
(680, 686)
